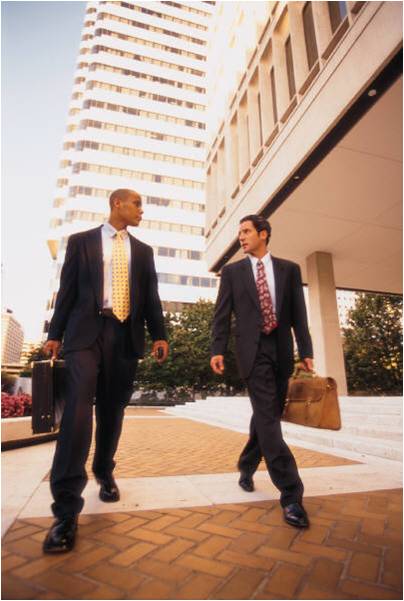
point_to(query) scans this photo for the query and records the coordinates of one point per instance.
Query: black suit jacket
(77, 316)
(238, 294)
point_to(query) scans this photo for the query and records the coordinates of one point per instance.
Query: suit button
(99, 312)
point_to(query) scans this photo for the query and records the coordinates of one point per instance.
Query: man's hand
(52, 347)
(217, 364)
(306, 364)
(160, 355)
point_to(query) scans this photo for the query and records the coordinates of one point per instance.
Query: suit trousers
(104, 371)
(267, 390)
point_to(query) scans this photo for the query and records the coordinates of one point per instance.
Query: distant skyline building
(12, 337)
(137, 120)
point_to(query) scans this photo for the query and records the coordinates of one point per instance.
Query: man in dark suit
(108, 291)
(266, 295)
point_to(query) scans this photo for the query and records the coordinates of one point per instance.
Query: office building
(12, 337)
(137, 119)
(310, 136)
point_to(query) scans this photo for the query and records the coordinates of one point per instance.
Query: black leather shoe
(109, 491)
(295, 515)
(61, 536)
(246, 482)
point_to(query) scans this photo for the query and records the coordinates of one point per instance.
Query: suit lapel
(95, 260)
(279, 275)
(249, 281)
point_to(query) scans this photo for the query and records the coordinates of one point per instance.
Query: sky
(39, 48)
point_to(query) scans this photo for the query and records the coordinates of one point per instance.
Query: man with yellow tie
(108, 292)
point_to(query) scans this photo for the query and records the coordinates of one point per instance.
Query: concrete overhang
(349, 204)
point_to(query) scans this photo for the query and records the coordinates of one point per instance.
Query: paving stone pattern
(235, 551)
(163, 447)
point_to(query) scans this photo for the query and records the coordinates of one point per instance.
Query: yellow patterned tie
(120, 277)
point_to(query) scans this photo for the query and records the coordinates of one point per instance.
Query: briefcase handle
(50, 361)
(308, 374)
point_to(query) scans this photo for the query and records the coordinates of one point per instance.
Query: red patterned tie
(267, 308)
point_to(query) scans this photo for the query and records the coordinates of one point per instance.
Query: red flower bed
(15, 405)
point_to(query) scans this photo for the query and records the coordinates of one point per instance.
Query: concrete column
(210, 201)
(322, 25)
(267, 112)
(233, 155)
(243, 139)
(324, 322)
(254, 125)
(281, 77)
(298, 42)
(221, 178)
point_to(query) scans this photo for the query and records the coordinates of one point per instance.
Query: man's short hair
(260, 224)
(120, 194)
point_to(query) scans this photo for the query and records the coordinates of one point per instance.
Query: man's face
(130, 209)
(251, 240)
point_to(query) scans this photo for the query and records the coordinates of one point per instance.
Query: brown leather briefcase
(48, 395)
(312, 401)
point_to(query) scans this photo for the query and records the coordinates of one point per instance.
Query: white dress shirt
(269, 272)
(107, 234)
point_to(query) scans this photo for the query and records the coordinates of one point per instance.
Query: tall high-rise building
(137, 120)
(12, 337)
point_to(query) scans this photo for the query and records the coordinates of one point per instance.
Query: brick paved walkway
(238, 551)
(171, 447)
(225, 551)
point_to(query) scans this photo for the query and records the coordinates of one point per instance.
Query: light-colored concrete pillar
(232, 156)
(322, 25)
(298, 42)
(221, 179)
(243, 139)
(324, 322)
(254, 120)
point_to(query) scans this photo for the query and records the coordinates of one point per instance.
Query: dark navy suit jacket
(238, 294)
(78, 310)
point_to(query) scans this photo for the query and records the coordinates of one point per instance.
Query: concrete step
(368, 426)
(387, 448)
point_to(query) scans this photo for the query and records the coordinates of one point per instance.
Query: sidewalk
(185, 530)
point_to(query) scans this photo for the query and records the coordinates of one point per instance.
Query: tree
(373, 345)
(188, 364)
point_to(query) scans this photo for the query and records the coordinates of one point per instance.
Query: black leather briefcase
(48, 395)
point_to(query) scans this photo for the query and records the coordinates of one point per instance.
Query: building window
(148, 76)
(147, 59)
(186, 280)
(143, 25)
(289, 68)
(273, 93)
(337, 12)
(140, 93)
(140, 113)
(135, 40)
(310, 35)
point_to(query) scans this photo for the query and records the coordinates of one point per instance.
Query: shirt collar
(110, 231)
(266, 259)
